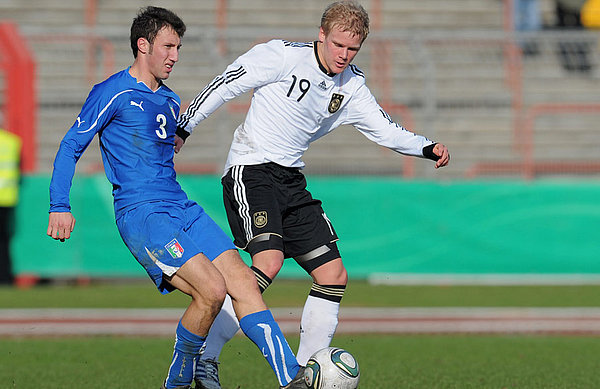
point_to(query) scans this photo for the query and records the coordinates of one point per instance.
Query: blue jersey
(136, 129)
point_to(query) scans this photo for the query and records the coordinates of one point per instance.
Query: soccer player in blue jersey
(135, 116)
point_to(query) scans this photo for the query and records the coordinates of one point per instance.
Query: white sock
(317, 326)
(224, 327)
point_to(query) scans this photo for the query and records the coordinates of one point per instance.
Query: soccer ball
(332, 368)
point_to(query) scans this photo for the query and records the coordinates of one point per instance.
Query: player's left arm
(437, 152)
(441, 151)
(366, 115)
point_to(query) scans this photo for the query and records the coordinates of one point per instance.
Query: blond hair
(347, 15)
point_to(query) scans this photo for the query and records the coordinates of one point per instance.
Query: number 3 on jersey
(303, 85)
(161, 132)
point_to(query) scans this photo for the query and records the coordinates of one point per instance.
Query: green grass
(285, 293)
(387, 361)
(531, 362)
(447, 362)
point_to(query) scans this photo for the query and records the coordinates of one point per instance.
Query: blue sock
(262, 329)
(187, 351)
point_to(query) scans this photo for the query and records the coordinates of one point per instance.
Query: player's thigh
(165, 236)
(309, 236)
(155, 235)
(252, 199)
(200, 278)
(238, 276)
(240, 281)
(209, 237)
(269, 262)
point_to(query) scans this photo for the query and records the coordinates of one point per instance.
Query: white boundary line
(484, 279)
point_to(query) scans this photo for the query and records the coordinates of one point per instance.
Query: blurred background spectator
(10, 151)
(574, 55)
(527, 18)
(568, 13)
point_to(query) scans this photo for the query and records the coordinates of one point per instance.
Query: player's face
(338, 49)
(164, 53)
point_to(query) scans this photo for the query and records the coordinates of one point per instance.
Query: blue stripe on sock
(262, 329)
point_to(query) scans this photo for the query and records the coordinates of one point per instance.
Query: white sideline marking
(483, 279)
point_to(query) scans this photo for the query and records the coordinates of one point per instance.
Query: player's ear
(143, 45)
(321, 35)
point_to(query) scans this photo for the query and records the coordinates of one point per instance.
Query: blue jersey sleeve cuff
(59, 208)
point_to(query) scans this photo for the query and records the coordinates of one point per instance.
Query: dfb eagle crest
(335, 103)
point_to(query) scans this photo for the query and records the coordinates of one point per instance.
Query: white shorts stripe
(239, 190)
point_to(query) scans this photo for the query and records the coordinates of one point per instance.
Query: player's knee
(340, 275)
(219, 292)
(270, 260)
(331, 273)
(212, 295)
(269, 268)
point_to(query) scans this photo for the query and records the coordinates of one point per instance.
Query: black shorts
(268, 207)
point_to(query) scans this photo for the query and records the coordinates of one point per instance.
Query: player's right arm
(60, 225)
(259, 66)
(95, 114)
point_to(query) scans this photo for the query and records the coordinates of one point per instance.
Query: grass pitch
(386, 361)
(287, 293)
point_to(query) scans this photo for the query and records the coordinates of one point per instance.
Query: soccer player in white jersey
(135, 116)
(302, 91)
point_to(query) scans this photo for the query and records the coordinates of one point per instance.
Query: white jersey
(295, 102)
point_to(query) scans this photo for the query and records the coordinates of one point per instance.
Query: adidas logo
(322, 85)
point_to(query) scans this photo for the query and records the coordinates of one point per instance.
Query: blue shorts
(164, 235)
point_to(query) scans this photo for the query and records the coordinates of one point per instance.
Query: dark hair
(149, 21)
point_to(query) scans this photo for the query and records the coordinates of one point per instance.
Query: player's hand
(178, 143)
(441, 151)
(60, 225)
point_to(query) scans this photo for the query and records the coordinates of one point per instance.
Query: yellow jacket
(10, 155)
(590, 14)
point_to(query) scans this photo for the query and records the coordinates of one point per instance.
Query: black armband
(428, 152)
(183, 134)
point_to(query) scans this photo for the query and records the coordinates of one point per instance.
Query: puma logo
(79, 121)
(137, 104)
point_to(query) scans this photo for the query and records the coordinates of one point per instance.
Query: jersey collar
(323, 69)
(142, 85)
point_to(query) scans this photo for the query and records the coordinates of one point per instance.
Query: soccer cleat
(207, 374)
(298, 381)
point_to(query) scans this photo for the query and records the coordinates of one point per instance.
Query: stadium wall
(389, 228)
